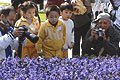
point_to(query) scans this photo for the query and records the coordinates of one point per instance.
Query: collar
(25, 20)
(53, 24)
(4, 24)
(4, 27)
(58, 24)
(4, 31)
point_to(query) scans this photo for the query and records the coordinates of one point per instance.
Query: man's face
(11, 17)
(104, 23)
(53, 17)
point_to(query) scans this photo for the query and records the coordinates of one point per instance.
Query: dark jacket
(110, 45)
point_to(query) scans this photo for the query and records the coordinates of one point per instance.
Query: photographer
(102, 40)
(8, 36)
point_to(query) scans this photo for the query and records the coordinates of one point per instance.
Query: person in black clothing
(82, 24)
(103, 39)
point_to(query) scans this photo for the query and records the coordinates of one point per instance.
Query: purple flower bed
(101, 68)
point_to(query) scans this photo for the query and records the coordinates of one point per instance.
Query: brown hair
(52, 8)
(28, 4)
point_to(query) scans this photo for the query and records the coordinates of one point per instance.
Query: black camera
(32, 37)
(100, 33)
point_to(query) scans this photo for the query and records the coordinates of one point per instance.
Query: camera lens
(32, 37)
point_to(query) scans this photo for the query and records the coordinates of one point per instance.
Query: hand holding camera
(22, 32)
(101, 33)
(25, 34)
(18, 32)
(98, 34)
(93, 35)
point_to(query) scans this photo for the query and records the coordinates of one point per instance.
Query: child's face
(53, 17)
(66, 14)
(30, 13)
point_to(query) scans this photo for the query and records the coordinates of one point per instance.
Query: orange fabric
(30, 52)
(29, 48)
(54, 2)
(51, 39)
(49, 53)
(65, 54)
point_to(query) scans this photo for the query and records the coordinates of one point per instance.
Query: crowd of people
(66, 24)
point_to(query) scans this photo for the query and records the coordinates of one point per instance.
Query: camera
(32, 37)
(100, 33)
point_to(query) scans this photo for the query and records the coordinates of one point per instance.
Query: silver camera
(100, 33)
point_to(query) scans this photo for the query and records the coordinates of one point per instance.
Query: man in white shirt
(8, 36)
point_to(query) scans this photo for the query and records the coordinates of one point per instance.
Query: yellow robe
(51, 39)
(33, 27)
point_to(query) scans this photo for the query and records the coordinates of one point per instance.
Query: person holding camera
(103, 39)
(8, 36)
(32, 23)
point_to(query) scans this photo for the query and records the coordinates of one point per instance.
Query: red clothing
(54, 2)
